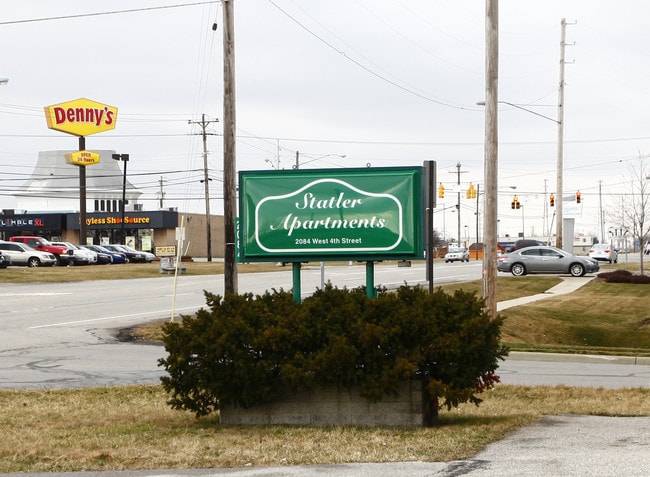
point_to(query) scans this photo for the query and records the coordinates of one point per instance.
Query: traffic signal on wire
(471, 191)
(552, 200)
(578, 197)
(515, 203)
(441, 191)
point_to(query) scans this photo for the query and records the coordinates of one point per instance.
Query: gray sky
(382, 82)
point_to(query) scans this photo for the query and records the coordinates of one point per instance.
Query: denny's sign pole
(81, 117)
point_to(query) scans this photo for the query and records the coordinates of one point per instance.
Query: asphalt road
(63, 335)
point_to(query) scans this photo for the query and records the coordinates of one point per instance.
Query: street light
(4, 80)
(124, 158)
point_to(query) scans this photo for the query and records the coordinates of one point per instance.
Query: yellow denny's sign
(81, 117)
(82, 158)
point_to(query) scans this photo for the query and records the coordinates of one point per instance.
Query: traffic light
(515, 203)
(578, 197)
(471, 191)
(552, 200)
(441, 191)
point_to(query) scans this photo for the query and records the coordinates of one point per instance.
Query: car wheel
(33, 262)
(577, 270)
(518, 269)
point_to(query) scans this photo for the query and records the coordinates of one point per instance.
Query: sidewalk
(568, 285)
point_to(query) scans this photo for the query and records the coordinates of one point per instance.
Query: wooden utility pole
(162, 192)
(458, 173)
(560, 141)
(229, 164)
(206, 180)
(491, 156)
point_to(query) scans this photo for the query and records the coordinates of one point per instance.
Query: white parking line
(158, 312)
(35, 294)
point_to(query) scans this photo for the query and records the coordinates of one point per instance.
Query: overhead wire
(366, 68)
(113, 12)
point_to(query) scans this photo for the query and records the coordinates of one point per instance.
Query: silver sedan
(543, 259)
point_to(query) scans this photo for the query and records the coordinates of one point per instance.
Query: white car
(80, 256)
(457, 254)
(22, 254)
(603, 252)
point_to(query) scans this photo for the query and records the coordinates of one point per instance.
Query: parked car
(24, 255)
(604, 252)
(80, 256)
(44, 245)
(104, 257)
(131, 255)
(148, 256)
(545, 259)
(457, 254)
(5, 261)
(113, 257)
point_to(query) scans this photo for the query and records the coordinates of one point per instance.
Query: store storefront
(142, 230)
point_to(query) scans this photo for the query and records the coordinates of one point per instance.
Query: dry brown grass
(598, 316)
(132, 428)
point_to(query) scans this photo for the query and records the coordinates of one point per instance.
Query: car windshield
(456, 250)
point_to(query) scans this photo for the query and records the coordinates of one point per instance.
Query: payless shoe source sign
(349, 214)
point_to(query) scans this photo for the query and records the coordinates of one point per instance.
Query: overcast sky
(381, 82)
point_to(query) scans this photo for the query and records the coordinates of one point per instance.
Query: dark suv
(527, 243)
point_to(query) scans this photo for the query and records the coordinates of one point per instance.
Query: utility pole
(491, 160)
(206, 180)
(162, 193)
(545, 219)
(601, 214)
(458, 172)
(560, 140)
(229, 165)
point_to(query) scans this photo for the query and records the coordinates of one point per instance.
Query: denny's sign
(81, 117)
(362, 214)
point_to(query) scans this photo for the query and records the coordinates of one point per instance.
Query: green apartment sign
(351, 214)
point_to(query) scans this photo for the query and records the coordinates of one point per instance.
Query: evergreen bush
(246, 350)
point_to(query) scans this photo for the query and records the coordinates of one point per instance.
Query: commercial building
(48, 206)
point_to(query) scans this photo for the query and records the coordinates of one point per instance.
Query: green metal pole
(296, 282)
(370, 280)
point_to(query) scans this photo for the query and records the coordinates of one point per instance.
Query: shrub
(624, 276)
(248, 350)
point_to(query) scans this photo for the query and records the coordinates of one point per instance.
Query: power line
(362, 66)
(113, 12)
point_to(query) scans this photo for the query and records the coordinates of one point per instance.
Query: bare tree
(636, 204)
